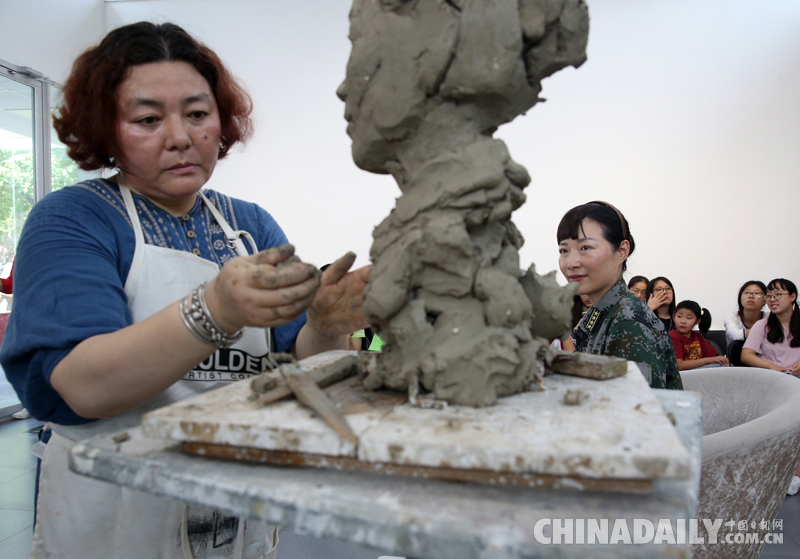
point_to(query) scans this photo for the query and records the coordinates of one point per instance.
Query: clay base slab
(619, 433)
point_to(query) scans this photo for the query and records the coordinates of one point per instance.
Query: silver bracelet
(198, 320)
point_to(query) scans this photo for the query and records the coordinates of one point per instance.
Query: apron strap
(238, 547)
(186, 547)
(138, 252)
(272, 546)
(234, 237)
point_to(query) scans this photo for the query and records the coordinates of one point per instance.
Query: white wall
(47, 35)
(685, 116)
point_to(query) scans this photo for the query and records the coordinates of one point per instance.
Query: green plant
(17, 192)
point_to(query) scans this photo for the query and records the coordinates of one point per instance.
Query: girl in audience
(594, 241)
(691, 348)
(774, 342)
(751, 301)
(660, 297)
(638, 286)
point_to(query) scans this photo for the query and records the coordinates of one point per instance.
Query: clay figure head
(462, 64)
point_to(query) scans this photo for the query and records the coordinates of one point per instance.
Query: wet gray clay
(428, 82)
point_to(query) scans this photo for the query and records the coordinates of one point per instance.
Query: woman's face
(591, 261)
(168, 130)
(752, 297)
(639, 289)
(662, 286)
(780, 301)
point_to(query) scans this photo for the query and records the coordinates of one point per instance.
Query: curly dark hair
(86, 120)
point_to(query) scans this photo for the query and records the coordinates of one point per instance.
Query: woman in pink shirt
(774, 342)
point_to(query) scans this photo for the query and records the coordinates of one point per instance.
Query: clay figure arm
(750, 359)
(336, 310)
(110, 374)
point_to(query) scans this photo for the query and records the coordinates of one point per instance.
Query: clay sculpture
(428, 82)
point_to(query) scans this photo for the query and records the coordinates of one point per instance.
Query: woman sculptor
(143, 289)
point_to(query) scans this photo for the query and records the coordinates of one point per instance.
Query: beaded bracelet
(198, 319)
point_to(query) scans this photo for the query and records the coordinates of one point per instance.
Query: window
(32, 160)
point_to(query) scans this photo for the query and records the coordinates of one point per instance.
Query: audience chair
(718, 340)
(751, 446)
(735, 353)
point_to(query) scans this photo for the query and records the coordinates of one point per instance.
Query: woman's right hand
(258, 291)
(656, 300)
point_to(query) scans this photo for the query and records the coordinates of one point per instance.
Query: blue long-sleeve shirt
(73, 259)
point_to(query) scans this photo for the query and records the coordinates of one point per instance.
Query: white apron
(82, 518)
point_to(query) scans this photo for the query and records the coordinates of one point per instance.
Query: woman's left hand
(796, 370)
(337, 308)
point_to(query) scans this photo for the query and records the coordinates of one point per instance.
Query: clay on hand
(337, 308)
(266, 289)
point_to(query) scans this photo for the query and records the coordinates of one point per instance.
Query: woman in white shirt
(751, 301)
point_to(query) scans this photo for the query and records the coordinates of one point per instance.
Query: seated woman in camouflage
(594, 242)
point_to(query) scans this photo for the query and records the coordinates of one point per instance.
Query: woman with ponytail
(691, 348)
(774, 342)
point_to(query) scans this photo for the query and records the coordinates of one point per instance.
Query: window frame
(43, 177)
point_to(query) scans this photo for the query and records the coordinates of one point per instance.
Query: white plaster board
(620, 432)
(401, 516)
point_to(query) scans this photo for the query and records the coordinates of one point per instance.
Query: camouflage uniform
(623, 326)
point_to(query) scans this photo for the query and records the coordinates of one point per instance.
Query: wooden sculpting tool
(307, 392)
(270, 389)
